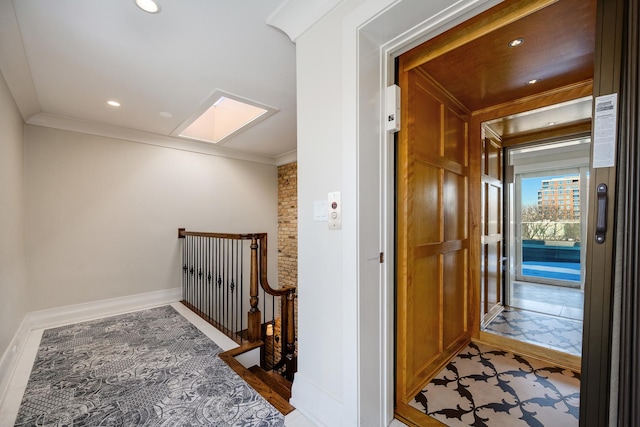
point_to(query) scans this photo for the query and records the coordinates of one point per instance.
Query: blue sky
(530, 188)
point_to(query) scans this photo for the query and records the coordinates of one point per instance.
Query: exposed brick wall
(287, 235)
(288, 224)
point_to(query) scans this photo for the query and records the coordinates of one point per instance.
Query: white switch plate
(320, 210)
(334, 211)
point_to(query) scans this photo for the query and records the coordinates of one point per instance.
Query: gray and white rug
(149, 368)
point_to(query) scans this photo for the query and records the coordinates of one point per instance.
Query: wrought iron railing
(215, 269)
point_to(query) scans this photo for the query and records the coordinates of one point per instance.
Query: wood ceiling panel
(558, 50)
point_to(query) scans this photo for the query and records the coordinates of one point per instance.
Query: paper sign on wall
(604, 131)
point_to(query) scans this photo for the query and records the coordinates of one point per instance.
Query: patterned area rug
(549, 331)
(485, 387)
(149, 368)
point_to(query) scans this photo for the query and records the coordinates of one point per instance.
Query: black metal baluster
(232, 287)
(212, 280)
(193, 271)
(232, 284)
(241, 292)
(223, 279)
(188, 244)
(215, 279)
(184, 268)
(204, 276)
(196, 265)
(191, 249)
(225, 308)
(209, 278)
(235, 318)
(198, 271)
(200, 274)
(218, 280)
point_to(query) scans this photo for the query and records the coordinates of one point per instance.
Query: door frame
(373, 34)
(516, 238)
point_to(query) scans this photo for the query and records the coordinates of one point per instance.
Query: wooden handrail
(262, 237)
(182, 233)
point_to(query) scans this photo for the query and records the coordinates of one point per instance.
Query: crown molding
(295, 17)
(126, 134)
(286, 158)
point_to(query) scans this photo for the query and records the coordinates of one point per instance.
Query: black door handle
(601, 221)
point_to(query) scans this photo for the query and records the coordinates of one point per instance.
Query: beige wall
(13, 285)
(103, 213)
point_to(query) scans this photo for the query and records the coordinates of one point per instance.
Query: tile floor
(557, 333)
(544, 315)
(554, 300)
(487, 387)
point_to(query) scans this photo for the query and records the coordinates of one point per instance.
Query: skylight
(224, 116)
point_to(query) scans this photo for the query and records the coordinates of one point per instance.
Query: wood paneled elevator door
(432, 233)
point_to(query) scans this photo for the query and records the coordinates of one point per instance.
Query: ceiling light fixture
(149, 6)
(516, 42)
(532, 81)
(113, 103)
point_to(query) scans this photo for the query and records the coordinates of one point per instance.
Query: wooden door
(433, 232)
(492, 213)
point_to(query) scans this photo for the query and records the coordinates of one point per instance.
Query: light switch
(334, 211)
(320, 210)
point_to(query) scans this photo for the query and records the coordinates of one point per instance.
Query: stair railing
(213, 271)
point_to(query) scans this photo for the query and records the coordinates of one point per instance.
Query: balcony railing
(215, 271)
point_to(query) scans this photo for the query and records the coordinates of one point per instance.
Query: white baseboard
(316, 404)
(10, 358)
(60, 316)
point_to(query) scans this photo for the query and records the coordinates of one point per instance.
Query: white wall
(103, 214)
(320, 311)
(13, 283)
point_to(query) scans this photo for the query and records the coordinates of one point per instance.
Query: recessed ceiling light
(552, 123)
(113, 103)
(532, 81)
(165, 114)
(516, 42)
(149, 6)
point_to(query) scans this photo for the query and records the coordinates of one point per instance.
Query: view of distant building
(560, 197)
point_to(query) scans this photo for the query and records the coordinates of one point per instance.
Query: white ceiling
(63, 59)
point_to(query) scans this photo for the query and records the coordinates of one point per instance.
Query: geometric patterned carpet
(553, 332)
(483, 386)
(148, 368)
